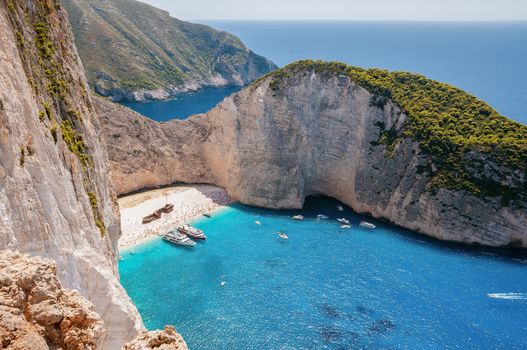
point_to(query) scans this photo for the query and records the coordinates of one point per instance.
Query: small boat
(283, 235)
(208, 214)
(257, 222)
(178, 238)
(340, 208)
(343, 221)
(192, 232)
(366, 224)
(345, 226)
(298, 217)
(120, 258)
(322, 217)
(223, 283)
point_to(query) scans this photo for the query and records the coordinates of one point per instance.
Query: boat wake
(508, 296)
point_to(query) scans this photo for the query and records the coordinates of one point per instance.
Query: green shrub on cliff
(447, 122)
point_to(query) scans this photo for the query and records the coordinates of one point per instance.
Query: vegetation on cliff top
(153, 50)
(448, 123)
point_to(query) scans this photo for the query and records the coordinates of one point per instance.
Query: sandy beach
(189, 202)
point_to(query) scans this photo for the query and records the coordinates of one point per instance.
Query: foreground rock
(313, 131)
(56, 197)
(37, 313)
(167, 339)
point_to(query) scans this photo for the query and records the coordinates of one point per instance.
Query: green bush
(96, 214)
(75, 143)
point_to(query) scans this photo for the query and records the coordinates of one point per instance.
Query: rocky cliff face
(37, 313)
(167, 339)
(274, 143)
(56, 198)
(134, 52)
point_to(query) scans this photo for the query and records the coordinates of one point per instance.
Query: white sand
(189, 202)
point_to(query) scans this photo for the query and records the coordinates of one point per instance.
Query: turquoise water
(486, 59)
(326, 287)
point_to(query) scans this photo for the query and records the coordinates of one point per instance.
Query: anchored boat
(343, 221)
(367, 224)
(178, 238)
(298, 217)
(192, 232)
(282, 235)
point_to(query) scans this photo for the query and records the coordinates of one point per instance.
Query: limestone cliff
(134, 51)
(56, 198)
(310, 129)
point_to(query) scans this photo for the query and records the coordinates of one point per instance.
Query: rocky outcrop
(167, 339)
(37, 313)
(314, 134)
(135, 52)
(56, 197)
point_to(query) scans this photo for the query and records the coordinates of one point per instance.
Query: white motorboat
(207, 214)
(367, 224)
(223, 283)
(345, 226)
(192, 232)
(340, 208)
(343, 221)
(508, 296)
(282, 235)
(298, 217)
(178, 238)
(257, 222)
(322, 217)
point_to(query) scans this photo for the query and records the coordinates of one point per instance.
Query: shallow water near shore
(327, 287)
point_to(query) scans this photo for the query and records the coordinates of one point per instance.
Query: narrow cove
(326, 287)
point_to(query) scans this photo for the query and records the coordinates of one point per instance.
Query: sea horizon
(484, 58)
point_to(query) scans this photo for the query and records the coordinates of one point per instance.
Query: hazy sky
(346, 9)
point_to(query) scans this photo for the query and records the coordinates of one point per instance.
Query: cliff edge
(56, 196)
(37, 313)
(418, 153)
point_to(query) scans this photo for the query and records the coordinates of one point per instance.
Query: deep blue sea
(326, 287)
(184, 105)
(487, 59)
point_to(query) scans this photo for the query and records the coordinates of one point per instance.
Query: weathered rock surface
(167, 339)
(36, 312)
(56, 198)
(317, 135)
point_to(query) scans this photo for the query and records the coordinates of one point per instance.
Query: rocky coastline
(316, 133)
